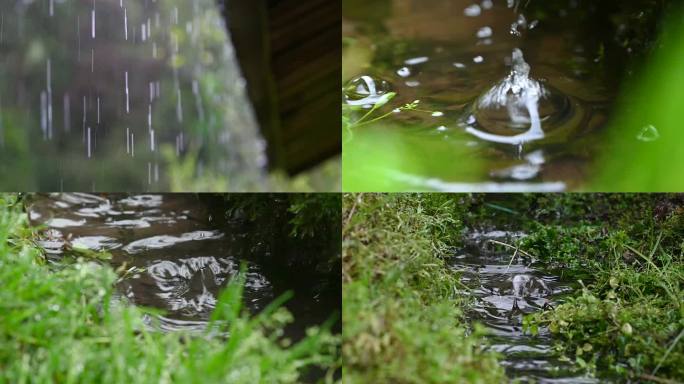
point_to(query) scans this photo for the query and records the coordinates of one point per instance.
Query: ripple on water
(164, 238)
(164, 241)
(504, 290)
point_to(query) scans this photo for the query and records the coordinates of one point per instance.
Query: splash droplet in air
(365, 91)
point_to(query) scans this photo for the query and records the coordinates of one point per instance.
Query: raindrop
(478, 59)
(89, 146)
(179, 107)
(128, 103)
(404, 72)
(152, 147)
(459, 65)
(472, 10)
(648, 133)
(417, 60)
(437, 114)
(67, 113)
(484, 32)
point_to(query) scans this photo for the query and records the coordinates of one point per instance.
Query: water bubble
(437, 114)
(487, 4)
(459, 65)
(478, 59)
(365, 91)
(412, 83)
(473, 10)
(648, 133)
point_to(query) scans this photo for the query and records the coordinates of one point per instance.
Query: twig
(657, 379)
(511, 247)
(353, 209)
(674, 342)
(643, 257)
(512, 258)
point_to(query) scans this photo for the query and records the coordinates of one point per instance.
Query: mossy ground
(403, 316)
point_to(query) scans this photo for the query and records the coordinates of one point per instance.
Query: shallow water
(503, 293)
(454, 58)
(120, 95)
(182, 261)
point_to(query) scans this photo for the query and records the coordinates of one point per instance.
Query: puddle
(504, 290)
(183, 261)
(525, 98)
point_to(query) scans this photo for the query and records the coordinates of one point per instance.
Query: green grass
(403, 318)
(628, 319)
(61, 323)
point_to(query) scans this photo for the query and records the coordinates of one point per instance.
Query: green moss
(628, 318)
(403, 317)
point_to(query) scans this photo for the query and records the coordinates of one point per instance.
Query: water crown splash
(519, 95)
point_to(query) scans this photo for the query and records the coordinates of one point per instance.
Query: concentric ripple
(520, 109)
(176, 261)
(505, 290)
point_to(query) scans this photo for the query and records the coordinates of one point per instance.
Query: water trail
(2, 133)
(126, 23)
(67, 113)
(85, 117)
(128, 102)
(89, 145)
(49, 99)
(78, 37)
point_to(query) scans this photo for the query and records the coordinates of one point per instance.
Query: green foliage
(64, 324)
(312, 213)
(403, 317)
(652, 163)
(628, 317)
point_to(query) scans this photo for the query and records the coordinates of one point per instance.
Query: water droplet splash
(512, 111)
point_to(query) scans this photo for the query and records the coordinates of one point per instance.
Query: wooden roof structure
(290, 53)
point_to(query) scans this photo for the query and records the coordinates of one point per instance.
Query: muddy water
(504, 291)
(181, 260)
(449, 55)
